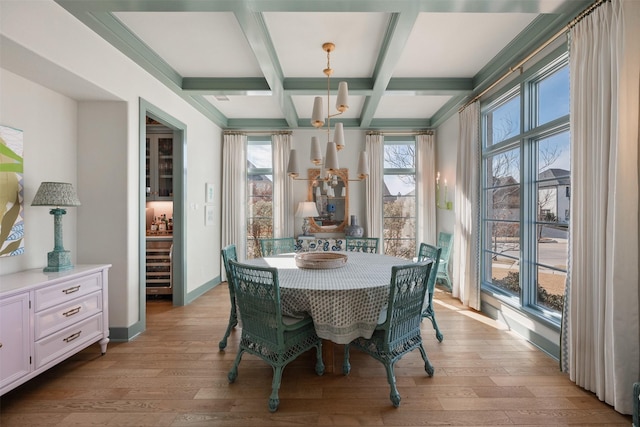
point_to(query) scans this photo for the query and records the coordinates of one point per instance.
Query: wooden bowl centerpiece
(321, 260)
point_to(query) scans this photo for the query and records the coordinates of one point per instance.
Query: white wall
(48, 121)
(446, 159)
(58, 129)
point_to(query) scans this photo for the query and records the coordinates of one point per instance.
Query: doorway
(176, 163)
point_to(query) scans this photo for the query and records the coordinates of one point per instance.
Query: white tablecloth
(344, 302)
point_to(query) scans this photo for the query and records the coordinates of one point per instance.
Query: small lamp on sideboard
(306, 210)
(59, 195)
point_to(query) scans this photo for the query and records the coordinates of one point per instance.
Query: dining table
(345, 303)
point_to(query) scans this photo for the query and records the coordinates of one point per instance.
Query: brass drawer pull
(72, 312)
(71, 289)
(72, 337)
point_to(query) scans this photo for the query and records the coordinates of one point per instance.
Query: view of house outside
(527, 191)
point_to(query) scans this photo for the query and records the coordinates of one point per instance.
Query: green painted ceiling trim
(450, 108)
(114, 32)
(431, 86)
(313, 86)
(224, 86)
(400, 124)
(264, 124)
(398, 31)
(206, 108)
(255, 30)
(387, 6)
(347, 123)
(153, 5)
(110, 28)
(526, 42)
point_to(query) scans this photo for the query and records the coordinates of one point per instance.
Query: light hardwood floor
(174, 375)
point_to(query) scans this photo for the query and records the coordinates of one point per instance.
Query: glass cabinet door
(159, 167)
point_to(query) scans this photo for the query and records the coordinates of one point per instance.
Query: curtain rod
(400, 133)
(263, 132)
(519, 65)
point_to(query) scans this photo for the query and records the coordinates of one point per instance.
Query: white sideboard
(47, 317)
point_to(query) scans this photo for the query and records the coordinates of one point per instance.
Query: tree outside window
(259, 194)
(526, 191)
(399, 198)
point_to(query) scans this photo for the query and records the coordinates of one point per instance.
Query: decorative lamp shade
(338, 136)
(306, 209)
(56, 194)
(342, 102)
(316, 152)
(317, 117)
(331, 158)
(363, 166)
(292, 167)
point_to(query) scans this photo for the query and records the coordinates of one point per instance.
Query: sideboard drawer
(46, 317)
(65, 341)
(62, 292)
(59, 317)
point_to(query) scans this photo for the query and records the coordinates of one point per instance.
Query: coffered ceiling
(258, 64)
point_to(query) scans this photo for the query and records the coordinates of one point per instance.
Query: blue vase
(354, 230)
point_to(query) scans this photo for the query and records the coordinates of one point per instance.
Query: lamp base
(58, 261)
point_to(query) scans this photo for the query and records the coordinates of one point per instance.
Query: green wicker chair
(228, 254)
(281, 245)
(266, 333)
(362, 244)
(431, 253)
(400, 332)
(445, 241)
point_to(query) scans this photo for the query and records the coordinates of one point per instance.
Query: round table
(345, 303)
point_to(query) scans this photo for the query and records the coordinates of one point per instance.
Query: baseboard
(547, 340)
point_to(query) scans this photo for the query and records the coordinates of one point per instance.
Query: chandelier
(329, 162)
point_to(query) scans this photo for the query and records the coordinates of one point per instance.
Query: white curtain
(464, 257)
(282, 187)
(425, 189)
(374, 146)
(602, 346)
(234, 179)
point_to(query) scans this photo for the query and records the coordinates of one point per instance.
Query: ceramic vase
(354, 230)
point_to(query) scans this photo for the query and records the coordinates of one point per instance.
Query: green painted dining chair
(445, 241)
(400, 332)
(277, 246)
(431, 253)
(362, 244)
(266, 333)
(229, 254)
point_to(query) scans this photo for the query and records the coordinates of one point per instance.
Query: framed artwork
(208, 193)
(11, 192)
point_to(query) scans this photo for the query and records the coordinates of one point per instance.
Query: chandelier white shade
(329, 162)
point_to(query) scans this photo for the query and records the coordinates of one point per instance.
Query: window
(526, 188)
(399, 197)
(259, 193)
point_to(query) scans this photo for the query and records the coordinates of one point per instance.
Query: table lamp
(57, 194)
(306, 210)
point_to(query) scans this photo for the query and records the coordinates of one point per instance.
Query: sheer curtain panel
(234, 184)
(282, 187)
(425, 187)
(466, 283)
(374, 146)
(602, 345)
